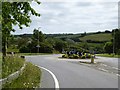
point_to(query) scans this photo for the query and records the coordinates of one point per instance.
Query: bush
(71, 56)
(83, 56)
(88, 55)
(24, 49)
(65, 56)
(75, 56)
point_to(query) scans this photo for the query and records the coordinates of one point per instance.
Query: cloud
(74, 17)
(84, 4)
(79, 0)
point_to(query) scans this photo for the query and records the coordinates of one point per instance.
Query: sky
(73, 16)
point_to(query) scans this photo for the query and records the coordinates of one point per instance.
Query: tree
(108, 47)
(22, 42)
(116, 39)
(41, 36)
(59, 45)
(15, 13)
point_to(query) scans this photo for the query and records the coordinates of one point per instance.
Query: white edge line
(54, 77)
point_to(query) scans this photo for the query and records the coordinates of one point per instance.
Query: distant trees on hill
(51, 44)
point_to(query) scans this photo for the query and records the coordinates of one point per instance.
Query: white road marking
(117, 74)
(110, 66)
(54, 77)
(104, 64)
(116, 68)
(103, 69)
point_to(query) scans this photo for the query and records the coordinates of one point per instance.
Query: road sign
(38, 46)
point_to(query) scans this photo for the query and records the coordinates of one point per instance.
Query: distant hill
(23, 35)
(97, 37)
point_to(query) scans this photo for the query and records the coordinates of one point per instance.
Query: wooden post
(92, 59)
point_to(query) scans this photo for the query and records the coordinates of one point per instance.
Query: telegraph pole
(113, 42)
(38, 46)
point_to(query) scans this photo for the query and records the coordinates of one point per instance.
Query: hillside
(97, 37)
(89, 37)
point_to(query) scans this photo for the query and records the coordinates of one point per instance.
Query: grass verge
(11, 64)
(108, 55)
(29, 79)
(27, 54)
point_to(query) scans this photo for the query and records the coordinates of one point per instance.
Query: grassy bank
(108, 55)
(27, 54)
(11, 64)
(30, 78)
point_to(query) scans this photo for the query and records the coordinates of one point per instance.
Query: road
(72, 74)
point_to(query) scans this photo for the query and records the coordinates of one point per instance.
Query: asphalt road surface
(73, 74)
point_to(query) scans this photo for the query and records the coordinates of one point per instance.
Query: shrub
(24, 49)
(83, 56)
(88, 55)
(65, 56)
(75, 56)
(46, 48)
(71, 56)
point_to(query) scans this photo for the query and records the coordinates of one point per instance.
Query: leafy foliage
(31, 46)
(38, 35)
(60, 45)
(15, 13)
(108, 47)
(65, 56)
(116, 42)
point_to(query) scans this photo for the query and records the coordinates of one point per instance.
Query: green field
(68, 36)
(97, 37)
(93, 37)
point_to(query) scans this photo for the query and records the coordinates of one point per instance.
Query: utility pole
(113, 42)
(38, 46)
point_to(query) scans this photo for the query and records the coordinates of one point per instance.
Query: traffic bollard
(92, 59)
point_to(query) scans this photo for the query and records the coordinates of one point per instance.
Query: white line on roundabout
(54, 77)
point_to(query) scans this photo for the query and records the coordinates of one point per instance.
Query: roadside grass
(29, 79)
(27, 54)
(11, 64)
(108, 55)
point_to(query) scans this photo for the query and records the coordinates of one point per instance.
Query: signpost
(38, 46)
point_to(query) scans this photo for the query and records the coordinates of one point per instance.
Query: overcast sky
(75, 16)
